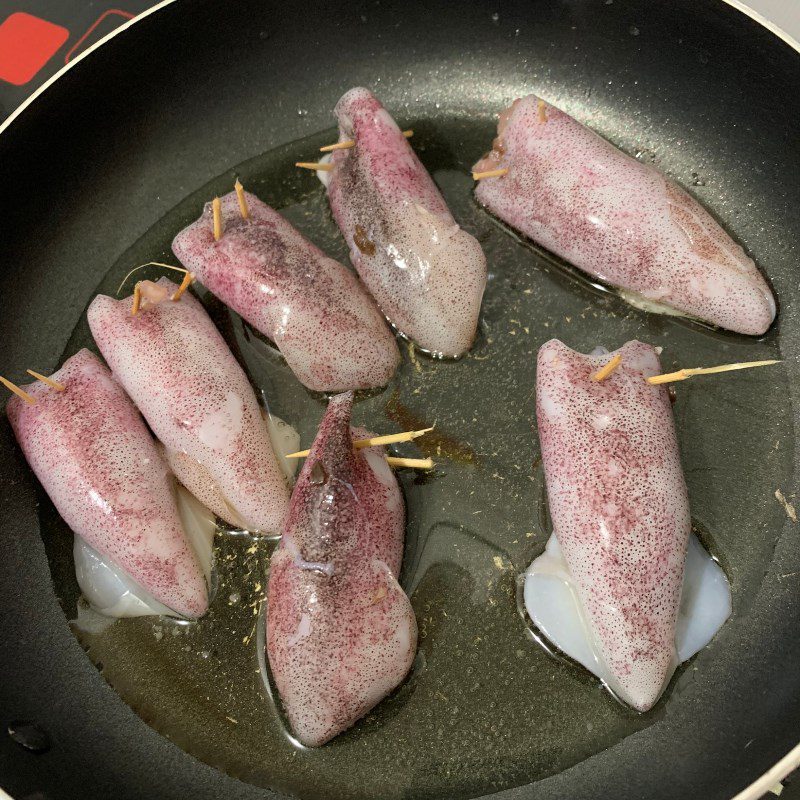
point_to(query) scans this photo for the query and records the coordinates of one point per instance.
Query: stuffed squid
(425, 272)
(341, 633)
(91, 451)
(315, 310)
(178, 370)
(619, 220)
(614, 588)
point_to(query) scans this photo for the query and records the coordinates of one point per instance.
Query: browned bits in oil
(433, 444)
(363, 242)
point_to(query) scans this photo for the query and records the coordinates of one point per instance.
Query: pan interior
(485, 707)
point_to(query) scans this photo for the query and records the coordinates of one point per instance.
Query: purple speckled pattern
(622, 221)
(179, 371)
(619, 506)
(316, 311)
(426, 273)
(341, 633)
(95, 458)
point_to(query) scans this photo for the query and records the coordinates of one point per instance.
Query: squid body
(91, 451)
(619, 220)
(425, 272)
(316, 311)
(178, 370)
(614, 588)
(341, 633)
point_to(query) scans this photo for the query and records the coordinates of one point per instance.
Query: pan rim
(766, 23)
(791, 760)
(774, 775)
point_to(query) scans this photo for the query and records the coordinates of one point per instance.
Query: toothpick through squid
(17, 391)
(413, 463)
(59, 387)
(492, 173)
(243, 209)
(541, 108)
(606, 370)
(188, 278)
(390, 438)
(683, 374)
(315, 165)
(216, 208)
(137, 300)
(347, 144)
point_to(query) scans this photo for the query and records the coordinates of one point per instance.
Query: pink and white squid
(619, 220)
(313, 308)
(425, 272)
(139, 547)
(341, 633)
(196, 398)
(615, 588)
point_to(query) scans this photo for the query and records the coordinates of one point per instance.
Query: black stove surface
(38, 37)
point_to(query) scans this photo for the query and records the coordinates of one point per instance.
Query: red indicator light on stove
(27, 43)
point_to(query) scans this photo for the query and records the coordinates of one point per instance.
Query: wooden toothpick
(315, 165)
(348, 143)
(541, 108)
(216, 208)
(59, 387)
(492, 173)
(17, 391)
(606, 370)
(152, 264)
(187, 281)
(390, 438)
(137, 300)
(244, 210)
(413, 463)
(683, 374)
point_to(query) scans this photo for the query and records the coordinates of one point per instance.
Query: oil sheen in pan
(484, 708)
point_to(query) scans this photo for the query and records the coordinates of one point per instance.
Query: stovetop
(38, 37)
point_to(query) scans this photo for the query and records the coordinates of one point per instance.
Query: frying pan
(188, 91)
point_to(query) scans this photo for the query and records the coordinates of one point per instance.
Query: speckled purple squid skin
(181, 374)
(320, 317)
(619, 506)
(97, 461)
(341, 633)
(427, 275)
(621, 221)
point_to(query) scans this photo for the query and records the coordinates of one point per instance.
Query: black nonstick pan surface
(101, 170)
